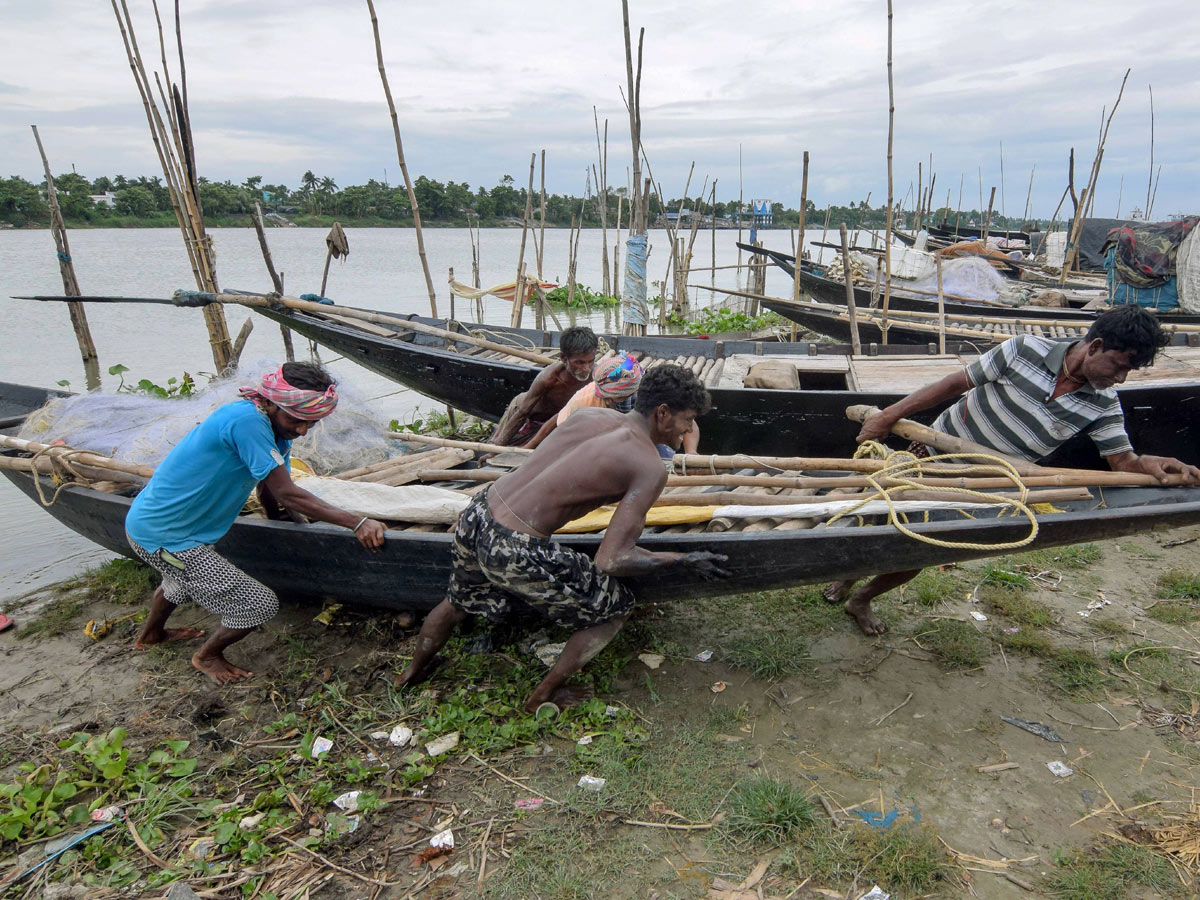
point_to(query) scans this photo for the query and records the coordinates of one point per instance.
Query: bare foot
(149, 637)
(870, 623)
(219, 669)
(836, 591)
(562, 697)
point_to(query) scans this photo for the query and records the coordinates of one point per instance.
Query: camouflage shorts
(497, 571)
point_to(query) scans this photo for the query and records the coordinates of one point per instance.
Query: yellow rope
(904, 467)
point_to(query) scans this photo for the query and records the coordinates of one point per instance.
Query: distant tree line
(146, 201)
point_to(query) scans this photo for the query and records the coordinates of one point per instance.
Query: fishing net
(139, 429)
(970, 277)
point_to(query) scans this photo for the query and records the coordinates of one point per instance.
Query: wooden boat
(411, 572)
(413, 569)
(825, 290)
(1162, 405)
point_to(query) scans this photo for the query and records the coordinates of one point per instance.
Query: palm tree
(308, 183)
(329, 187)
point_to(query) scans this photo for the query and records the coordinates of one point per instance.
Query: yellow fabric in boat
(598, 519)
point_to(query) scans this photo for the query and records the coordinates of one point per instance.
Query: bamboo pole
(1080, 479)
(83, 456)
(76, 311)
(1150, 180)
(887, 240)
(602, 191)
(941, 301)
(855, 343)
(713, 215)
(276, 279)
(519, 296)
(1089, 191)
(1028, 198)
(800, 238)
(987, 222)
(412, 197)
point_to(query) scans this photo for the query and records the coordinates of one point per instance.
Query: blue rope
(317, 298)
(64, 257)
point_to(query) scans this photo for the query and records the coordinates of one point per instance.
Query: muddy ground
(802, 760)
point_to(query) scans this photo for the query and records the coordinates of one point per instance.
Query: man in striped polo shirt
(1025, 398)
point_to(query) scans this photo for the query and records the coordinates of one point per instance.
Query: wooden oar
(269, 301)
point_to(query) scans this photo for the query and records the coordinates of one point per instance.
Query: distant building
(108, 198)
(762, 212)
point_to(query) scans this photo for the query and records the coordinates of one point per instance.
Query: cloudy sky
(277, 88)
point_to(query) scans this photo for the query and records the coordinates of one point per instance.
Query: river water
(383, 272)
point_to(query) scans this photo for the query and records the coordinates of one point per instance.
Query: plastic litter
(106, 814)
(704, 655)
(328, 615)
(1043, 731)
(652, 660)
(548, 654)
(347, 801)
(443, 840)
(590, 783)
(248, 822)
(400, 736)
(529, 803)
(612, 711)
(1061, 769)
(585, 740)
(718, 686)
(978, 616)
(201, 848)
(378, 735)
(320, 746)
(444, 744)
(875, 893)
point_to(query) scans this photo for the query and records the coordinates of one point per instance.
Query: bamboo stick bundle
(45, 466)
(83, 456)
(519, 294)
(176, 154)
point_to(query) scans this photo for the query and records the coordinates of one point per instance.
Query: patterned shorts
(497, 570)
(202, 575)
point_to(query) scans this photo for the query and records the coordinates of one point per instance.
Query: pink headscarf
(617, 377)
(303, 404)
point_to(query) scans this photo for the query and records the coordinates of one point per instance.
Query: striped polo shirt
(1010, 408)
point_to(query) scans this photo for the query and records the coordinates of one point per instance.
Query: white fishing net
(970, 277)
(139, 429)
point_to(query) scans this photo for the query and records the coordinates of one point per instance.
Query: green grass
(55, 618)
(120, 581)
(767, 811)
(1111, 874)
(1178, 584)
(1076, 672)
(768, 654)
(932, 588)
(1173, 613)
(1077, 556)
(1172, 673)
(907, 860)
(1110, 627)
(957, 645)
(1016, 607)
(1001, 574)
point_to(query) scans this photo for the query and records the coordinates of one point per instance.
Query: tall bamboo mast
(519, 291)
(602, 191)
(637, 212)
(412, 196)
(79, 322)
(887, 238)
(800, 239)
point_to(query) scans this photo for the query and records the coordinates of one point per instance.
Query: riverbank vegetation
(144, 202)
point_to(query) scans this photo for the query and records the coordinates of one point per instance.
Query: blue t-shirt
(199, 489)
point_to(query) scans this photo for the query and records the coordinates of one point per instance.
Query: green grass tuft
(1078, 556)
(122, 581)
(957, 645)
(1001, 574)
(768, 654)
(931, 588)
(1017, 607)
(1111, 874)
(1178, 584)
(908, 860)
(768, 811)
(1173, 613)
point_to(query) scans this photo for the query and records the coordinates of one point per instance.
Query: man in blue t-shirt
(199, 489)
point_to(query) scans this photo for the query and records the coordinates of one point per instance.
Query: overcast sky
(277, 88)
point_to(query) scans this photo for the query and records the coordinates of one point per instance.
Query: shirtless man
(505, 559)
(1025, 398)
(551, 390)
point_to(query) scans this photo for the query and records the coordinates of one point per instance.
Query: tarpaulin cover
(633, 297)
(1145, 252)
(1163, 297)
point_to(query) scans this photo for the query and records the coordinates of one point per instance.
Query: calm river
(382, 272)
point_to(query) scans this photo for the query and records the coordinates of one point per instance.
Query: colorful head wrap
(617, 377)
(303, 404)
